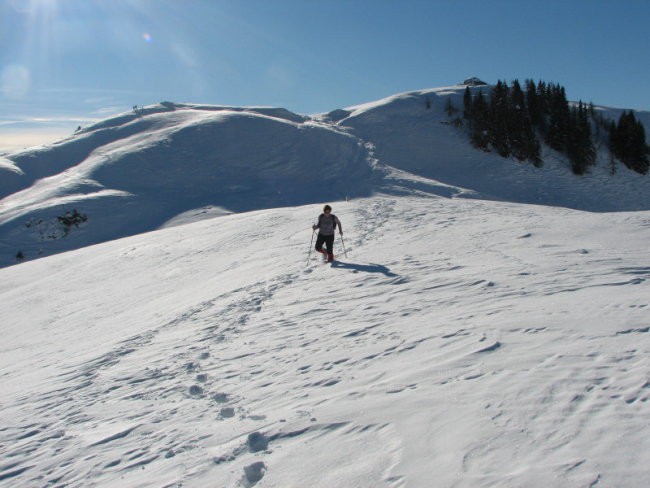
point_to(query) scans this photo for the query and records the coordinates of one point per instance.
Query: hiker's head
(327, 209)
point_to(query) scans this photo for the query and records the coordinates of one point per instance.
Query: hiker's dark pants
(327, 240)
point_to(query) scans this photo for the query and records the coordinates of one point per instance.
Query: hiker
(326, 226)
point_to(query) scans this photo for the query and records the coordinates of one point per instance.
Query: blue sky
(64, 63)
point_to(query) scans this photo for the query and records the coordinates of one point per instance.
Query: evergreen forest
(511, 120)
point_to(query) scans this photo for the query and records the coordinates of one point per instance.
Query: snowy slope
(461, 343)
(176, 163)
(407, 135)
(134, 174)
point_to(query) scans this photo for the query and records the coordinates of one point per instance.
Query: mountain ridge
(139, 171)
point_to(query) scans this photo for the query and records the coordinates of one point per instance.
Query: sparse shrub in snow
(48, 230)
(71, 219)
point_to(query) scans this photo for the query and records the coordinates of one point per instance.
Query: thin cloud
(40, 120)
(29, 138)
(18, 133)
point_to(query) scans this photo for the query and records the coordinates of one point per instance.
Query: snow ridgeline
(176, 163)
(462, 343)
(135, 174)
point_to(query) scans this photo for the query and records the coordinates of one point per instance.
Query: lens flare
(147, 37)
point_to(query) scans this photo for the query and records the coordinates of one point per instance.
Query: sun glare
(60, 44)
(34, 7)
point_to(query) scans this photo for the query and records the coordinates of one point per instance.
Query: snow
(6, 164)
(407, 136)
(138, 172)
(469, 338)
(134, 174)
(461, 343)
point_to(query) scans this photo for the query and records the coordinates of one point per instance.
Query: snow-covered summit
(176, 162)
(136, 172)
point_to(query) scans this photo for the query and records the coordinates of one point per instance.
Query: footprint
(257, 442)
(227, 412)
(253, 473)
(221, 397)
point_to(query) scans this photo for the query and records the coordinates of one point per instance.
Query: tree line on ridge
(511, 120)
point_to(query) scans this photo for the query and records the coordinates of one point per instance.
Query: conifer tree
(480, 122)
(558, 124)
(587, 148)
(499, 115)
(467, 104)
(628, 143)
(543, 97)
(531, 146)
(580, 148)
(523, 140)
(533, 103)
(517, 118)
(640, 149)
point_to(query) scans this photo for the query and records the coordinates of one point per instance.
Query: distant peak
(474, 81)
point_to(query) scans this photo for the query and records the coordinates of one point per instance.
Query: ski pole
(343, 244)
(312, 241)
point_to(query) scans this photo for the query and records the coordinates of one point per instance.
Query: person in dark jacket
(327, 223)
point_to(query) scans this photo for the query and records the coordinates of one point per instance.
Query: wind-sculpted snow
(53, 159)
(460, 343)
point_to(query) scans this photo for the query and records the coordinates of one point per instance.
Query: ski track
(430, 344)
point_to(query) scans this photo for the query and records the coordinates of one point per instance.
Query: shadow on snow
(366, 268)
